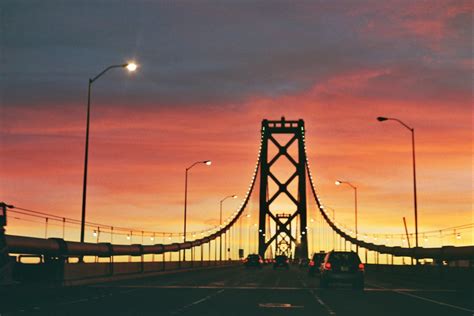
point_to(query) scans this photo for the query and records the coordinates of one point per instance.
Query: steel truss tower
(283, 228)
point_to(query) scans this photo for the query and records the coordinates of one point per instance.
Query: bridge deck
(237, 291)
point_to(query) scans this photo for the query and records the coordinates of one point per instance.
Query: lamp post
(220, 223)
(130, 67)
(339, 182)
(207, 163)
(412, 130)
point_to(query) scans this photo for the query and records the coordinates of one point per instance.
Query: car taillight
(287, 261)
(245, 260)
(361, 267)
(311, 263)
(261, 261)
(327, 266)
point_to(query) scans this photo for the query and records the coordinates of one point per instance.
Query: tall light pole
(220, 222)
(130, 67)
(339, 182)
(412, 130)
(207, 163)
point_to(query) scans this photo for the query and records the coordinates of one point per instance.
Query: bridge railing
(57, 247)
(440, 253)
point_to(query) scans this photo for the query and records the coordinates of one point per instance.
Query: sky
(209, 73)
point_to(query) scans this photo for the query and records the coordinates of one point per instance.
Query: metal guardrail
(58, 247)
(55, 247)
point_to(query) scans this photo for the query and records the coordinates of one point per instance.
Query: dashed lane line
(186, 307)
(279, 305)
(322, 303)
(406, 293)
(318, 299)
(256, 287)
(435, 301)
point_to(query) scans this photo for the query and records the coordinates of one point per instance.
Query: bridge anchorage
(280, 223)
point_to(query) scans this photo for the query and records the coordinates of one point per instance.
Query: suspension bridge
(121, 270)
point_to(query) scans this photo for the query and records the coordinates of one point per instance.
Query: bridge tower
(283, 236)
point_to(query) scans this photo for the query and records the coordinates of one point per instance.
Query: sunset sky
(209, 72)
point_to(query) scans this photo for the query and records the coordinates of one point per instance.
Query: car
(281, 261)
(315, 263)
(303, 263)
(342, 266)
(253, 261)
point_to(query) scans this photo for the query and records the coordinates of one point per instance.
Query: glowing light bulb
(131, 67)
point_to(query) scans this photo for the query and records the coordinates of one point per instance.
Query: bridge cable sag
(442, 253)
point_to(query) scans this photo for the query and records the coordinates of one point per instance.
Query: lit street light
(220, 224)
(207, 163)
(412, 130)
(338, 182)
(130, 67)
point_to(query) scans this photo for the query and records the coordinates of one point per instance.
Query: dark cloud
(206, 52)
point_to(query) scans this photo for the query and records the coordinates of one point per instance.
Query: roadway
(237, 291)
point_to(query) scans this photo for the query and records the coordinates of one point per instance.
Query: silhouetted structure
(283, 229)
(5, 266)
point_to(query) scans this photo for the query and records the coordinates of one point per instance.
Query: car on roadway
(315, 263)
(344, 267)
(253, 261)
(281, 261)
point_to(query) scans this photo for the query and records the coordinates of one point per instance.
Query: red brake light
(261, 261)
(311, 263)
(327, 266)
(361, 267)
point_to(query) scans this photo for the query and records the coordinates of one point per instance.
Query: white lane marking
(435, 302)
(82, 300)
(87, 299)
(279, 305)
(230, 287)
(318, 299)
(277, 283)
(428, 299)
(322, 303)
(182, 309)
(408, 290)
(148, 286)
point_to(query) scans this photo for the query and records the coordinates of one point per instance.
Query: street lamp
(412, 130)
(131, 67)
(220, 223)
(339, 182)
(207, 163)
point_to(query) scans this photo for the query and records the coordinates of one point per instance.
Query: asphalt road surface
(238, 291)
